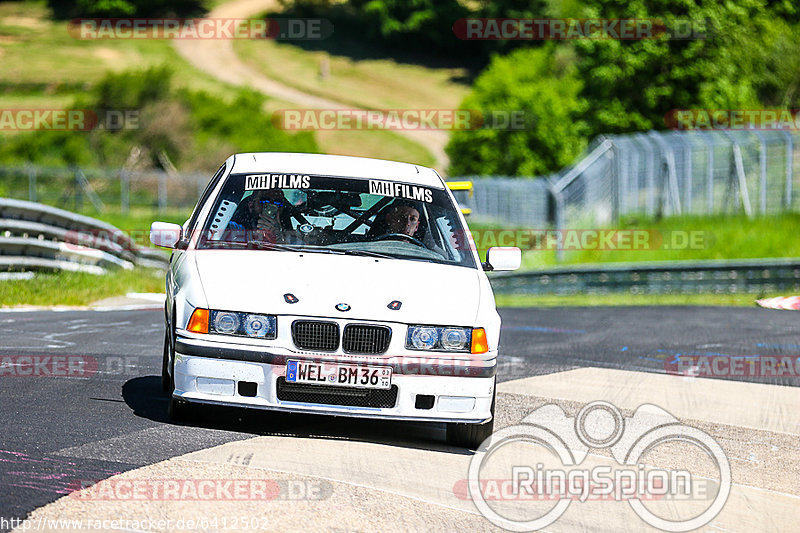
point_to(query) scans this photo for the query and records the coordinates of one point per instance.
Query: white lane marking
(67, 308)
(344, 482)
(760, 406)
(157, 297)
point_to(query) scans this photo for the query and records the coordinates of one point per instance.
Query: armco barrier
(41, 237)
(677, 277)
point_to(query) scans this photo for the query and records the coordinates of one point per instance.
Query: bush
(194, 129)
(67, 9)
(543, 84)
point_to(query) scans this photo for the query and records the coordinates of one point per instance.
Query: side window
(203, 198)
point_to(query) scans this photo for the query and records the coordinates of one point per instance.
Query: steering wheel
(401, 236)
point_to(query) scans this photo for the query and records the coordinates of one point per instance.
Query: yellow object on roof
(460, 186)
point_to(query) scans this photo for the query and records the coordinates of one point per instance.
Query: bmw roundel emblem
(342, 307)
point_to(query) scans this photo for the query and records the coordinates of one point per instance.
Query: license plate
(365, 377)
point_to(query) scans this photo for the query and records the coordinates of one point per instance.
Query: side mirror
(503, 258)
(165, 234)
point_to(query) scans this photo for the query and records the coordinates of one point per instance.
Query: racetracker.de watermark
(724, 366)
(527, 29)
(193, 489)
(67, 366)
(193, 522)
(398, 119)
(519, 471)
(308, 29)
(733, 119)
(593, 239)
(68, 119)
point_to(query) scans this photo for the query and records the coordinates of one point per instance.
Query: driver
(403, 219)
(260, 216)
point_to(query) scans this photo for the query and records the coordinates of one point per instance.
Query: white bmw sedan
(333, 285)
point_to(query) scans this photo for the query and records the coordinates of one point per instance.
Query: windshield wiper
(266, 245)
(367, 253)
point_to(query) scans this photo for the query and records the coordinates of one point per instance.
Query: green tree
(195, 130)
(744, 60)
(66, 9)
(744, 56)
(543, 85)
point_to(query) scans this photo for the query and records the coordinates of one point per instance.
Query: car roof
(334, 165)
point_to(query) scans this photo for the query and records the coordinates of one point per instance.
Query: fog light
(456, 404)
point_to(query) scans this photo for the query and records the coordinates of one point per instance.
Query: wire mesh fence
(654, 174)
(78, 188)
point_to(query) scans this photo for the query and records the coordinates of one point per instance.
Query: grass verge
(139, 218)
(688, 238)
(76, 288)
(367, 83)
(50, 68)
(42, 58)
(588, 300)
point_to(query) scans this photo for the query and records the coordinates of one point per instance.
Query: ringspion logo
(519, 471)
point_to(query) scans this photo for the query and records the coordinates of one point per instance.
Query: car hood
(256, 281)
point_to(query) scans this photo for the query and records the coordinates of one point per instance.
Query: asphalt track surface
(59, 431)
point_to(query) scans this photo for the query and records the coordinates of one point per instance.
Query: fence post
(742, 179)
(557, 202)
(762, 160)
(672, 172)
(789, 170)
(31, 183)
(162, 192)
(124, 191)
(618, 182)
(78, 189)
(687, 169)
(710, 170)
(650, 164)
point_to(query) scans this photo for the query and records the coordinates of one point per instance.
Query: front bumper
(462, 387)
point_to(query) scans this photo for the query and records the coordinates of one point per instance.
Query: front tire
(470, 435)
(167, 384)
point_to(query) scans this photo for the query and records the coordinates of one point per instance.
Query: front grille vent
(361, 339)
(314, 335)
(332, 395)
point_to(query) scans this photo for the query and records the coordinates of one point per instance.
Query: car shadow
(144, 397)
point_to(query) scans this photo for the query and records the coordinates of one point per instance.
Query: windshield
(326, 214)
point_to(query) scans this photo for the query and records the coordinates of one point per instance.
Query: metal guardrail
(41, 237)
(676, 277)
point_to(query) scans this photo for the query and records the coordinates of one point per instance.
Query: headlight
(423, 338)
(244, 324)
(446, 339)
(454, 339)
(258, 325)
(226, 323)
